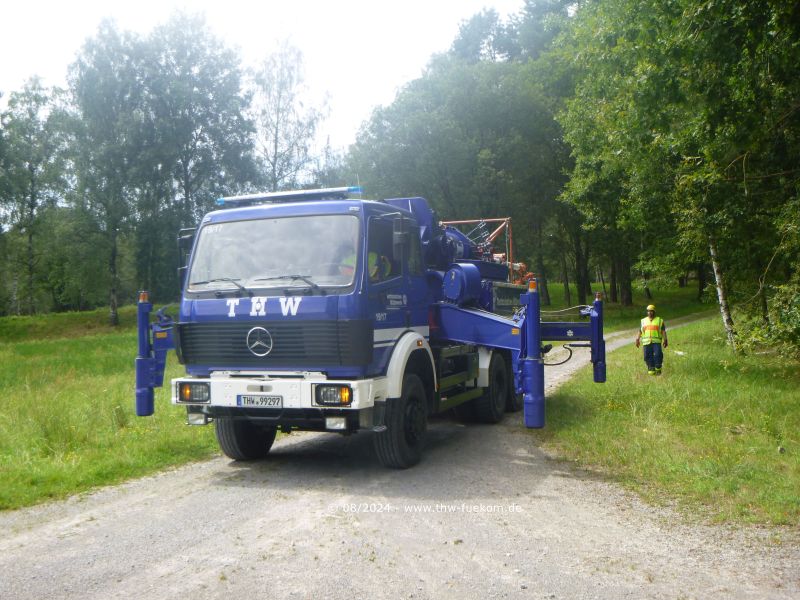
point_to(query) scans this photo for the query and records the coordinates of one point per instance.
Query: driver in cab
(379, 267)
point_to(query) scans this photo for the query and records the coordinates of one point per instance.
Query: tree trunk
(722, 294)
(602, 281)
(29, 228)
(762, 297)
(646, 287)
(14, 302)
(582, 280)
(614, 284)
(187, 198)
(565, 279)
(580, 269)
(113, 315)
(544, 292)
(625, 281)
(29, 299)
(701, 280)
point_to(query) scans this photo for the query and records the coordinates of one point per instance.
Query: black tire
(515, 400)
(465, 412)
(400, 445)
(491, 407)
(241, 439)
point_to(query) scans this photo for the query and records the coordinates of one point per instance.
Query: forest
(633, 143)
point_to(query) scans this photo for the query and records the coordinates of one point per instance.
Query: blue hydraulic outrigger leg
(152, 356)
(532, 361)
(522, 336)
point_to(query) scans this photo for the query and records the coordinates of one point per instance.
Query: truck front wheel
(400, 445)
(241, 439)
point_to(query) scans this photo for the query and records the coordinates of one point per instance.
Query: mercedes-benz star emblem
(259, 341)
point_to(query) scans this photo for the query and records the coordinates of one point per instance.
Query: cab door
(418, 295)
(387, 290)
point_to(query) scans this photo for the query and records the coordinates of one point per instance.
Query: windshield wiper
(225, 279)
(304, 278)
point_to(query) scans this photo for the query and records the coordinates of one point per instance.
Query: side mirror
(185, 243)
(185, 240)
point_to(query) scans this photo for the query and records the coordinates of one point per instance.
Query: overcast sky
(358, 52)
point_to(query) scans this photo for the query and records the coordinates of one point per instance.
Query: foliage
(286, 126)
(33, 175)
(152, 130)
(683, 115)
(779, 332)
(784, 323)
(476, 136)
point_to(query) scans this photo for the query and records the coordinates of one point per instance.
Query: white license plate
(259, 401)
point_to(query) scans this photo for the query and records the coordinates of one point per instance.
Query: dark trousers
(653, 356)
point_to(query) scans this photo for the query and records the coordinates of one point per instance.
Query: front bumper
(298, 410)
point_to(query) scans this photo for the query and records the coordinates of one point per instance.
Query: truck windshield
(313, 252)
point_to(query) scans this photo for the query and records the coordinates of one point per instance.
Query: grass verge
(717, 433)
(53, 326)
(671, 303)
(67, 420)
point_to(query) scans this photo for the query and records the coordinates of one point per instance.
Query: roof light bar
(339, 193)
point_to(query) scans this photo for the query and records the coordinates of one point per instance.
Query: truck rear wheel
(241, 439)
(515, 400)
(400, 445)
(491, 407)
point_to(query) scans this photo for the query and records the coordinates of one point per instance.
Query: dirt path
(486, 515)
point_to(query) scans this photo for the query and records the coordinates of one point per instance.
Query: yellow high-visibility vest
(651, 330)
(373, 262)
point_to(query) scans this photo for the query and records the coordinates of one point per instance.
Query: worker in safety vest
(378, 267)
(652, 334)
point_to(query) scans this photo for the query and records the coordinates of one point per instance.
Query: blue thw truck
(322, 311)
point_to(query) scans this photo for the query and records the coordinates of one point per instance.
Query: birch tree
(286, 119)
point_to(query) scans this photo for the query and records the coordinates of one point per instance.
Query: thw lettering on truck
(258, 306)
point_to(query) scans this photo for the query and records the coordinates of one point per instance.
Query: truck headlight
(333, 395)
(194, 392)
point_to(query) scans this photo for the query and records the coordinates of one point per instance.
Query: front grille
(295, 344)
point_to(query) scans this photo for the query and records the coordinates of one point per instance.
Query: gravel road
(487, 514)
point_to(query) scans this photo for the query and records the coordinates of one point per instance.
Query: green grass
(717, 434)
(65, 325)
(67, 420)
(671, 303)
